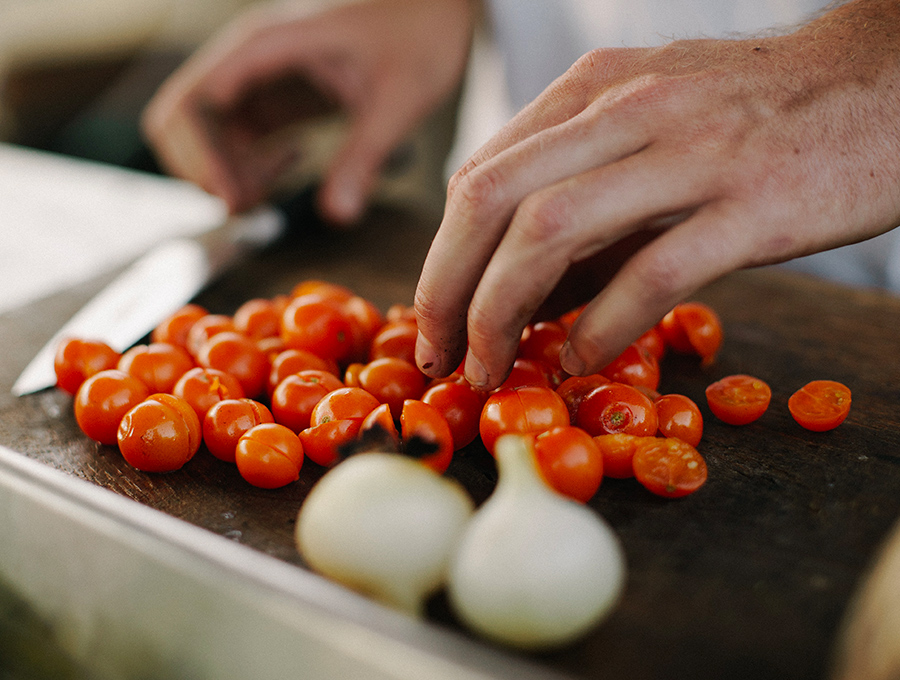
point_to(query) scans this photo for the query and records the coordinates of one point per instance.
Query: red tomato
(322, 443)
(679, 417)
(160, 434)
(738, 399)
(529, 372)
(290, 361)
(570, 461)
(542, 342)
(669, 467)
(269, 456)
(325, 290)
(203, 387)
(521, 410)
(227, 421)
(400, 312)
(573, 390)
(365, 321)
(382, 419)
(237, 355)
(205, 328)
(618, 453)
(259, 318)
(617, 408)
(461, 405)
(318, 326)
(392, 381)
(395, 339)
(76, 360)
(103, 400)
(693, 328)
(175, 328)
(635, 366)
(653, 341)
(343, 403)
(296, 396)
(423, 421)
(820, 405)
(158, 365)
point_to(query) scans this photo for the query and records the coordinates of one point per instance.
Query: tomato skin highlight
(160, 434)
(738, 399)
(617, 408)
(680, 417)
(669, 467)
(570, 461)
(269, 456)
(820, 405)
(103, 400)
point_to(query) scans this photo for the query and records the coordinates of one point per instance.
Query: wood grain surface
(747, 578)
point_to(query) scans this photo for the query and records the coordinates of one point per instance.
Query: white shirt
(539, 39)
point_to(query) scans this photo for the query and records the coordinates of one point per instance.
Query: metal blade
(153, 287)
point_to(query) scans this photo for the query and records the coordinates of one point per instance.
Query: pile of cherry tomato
(301, 375)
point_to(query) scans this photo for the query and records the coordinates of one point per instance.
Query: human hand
(641, 175)
(388, 63)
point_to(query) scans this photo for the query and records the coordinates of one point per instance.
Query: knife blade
(158, 283)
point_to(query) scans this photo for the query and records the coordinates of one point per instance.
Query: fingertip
(570, 361)
(427, 358)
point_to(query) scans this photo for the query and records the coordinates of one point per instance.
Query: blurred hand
(643, 174)
(388, 63)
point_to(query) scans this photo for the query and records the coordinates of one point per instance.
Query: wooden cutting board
(748, 578)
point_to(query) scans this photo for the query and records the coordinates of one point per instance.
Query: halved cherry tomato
(319, 326)
(76, 360)
(425, 422)
(820, 405)
(382, 419)
(738, 399)
(570, 461)
(392, 381)
(158, 365)
(227, 421)
(290, 361)
(461, 405)
(618, 453)
(521, 410)
(343, 403)
(679, 417)
(635, 366)
(203, 387)
(693, 328)
(160, 434)
(395, 339)
(669, 467)
(322, 443)
(238, 355)
(576, 388)
(269, 456)
(296, 396)
(615, 408)
(103, 400)
(177, 326)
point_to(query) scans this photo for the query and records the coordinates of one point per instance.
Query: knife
(155, 285)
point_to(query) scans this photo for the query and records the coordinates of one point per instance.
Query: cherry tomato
(237, 355)
(574, 389)
(395, 339)
(615, 408)
(635, 366)
(176, 327)
(351, 374)
(382, 419)
(296, 396)
(461, 405)
(205, 328)
(400, 312)
(693, 328)
(292, 361)
(529, 372)
(322, 443)
(325, 290)
(618, 453)
(160, 434)
(652, 340)
(521, 410)
(392, 381)
(203, 387)
(679, 417)
(259, 318)
(343, 403)
(271, 347)
(738, 399)
(158, 365)
(669, 467)
(820, 405)
(227, 421)
(102, 401)
(365, 321)
(543, 341)
(318, 326)
(570, 461)
(425, 422)
(269, 456)
(76, 360)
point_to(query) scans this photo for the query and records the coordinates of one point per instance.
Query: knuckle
(475, 190)
(544, 217)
